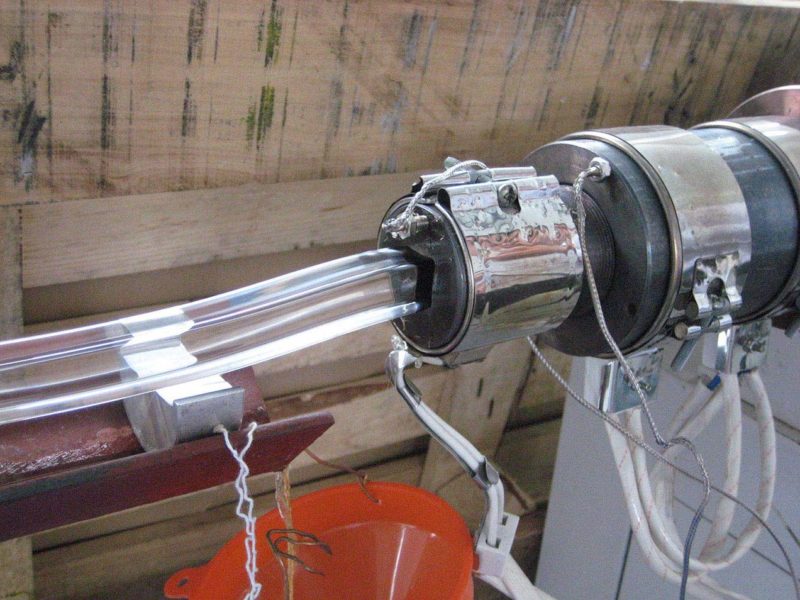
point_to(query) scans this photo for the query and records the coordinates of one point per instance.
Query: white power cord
(639, 441)
(651, 513)
(600, 169)
(659, 538)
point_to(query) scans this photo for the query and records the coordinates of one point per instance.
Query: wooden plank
(16, 569)
(158, 231)
(16, 562)
(137, 97)
(477, 402)
(110, 564)
(10, 273)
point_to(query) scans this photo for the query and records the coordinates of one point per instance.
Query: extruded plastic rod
(77, 368)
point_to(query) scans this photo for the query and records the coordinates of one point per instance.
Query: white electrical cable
(640, 514)
(640, 442)
(727, 396)
(515, 584)
(599, 169)
(664, 534)
(660, 538)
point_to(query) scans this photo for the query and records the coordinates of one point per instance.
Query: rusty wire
(363, 478)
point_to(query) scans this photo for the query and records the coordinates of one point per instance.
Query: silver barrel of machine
(503, 260)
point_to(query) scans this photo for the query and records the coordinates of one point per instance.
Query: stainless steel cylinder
(773, 199)
(504, 260)
(681, 234)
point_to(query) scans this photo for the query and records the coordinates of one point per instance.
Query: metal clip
(495, 536)
(715, 291)
(180, 412)
(738, 350)
(715, 296)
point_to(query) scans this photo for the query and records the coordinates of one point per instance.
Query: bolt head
(507, 195)
(602, 165)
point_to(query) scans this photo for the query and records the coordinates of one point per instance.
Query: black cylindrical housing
(772, 210)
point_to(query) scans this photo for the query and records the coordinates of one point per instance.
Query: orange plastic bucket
(413, 545)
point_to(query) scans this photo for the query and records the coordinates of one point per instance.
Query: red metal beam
(77, 466)
(48, 501)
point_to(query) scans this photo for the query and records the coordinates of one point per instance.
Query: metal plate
(783, 101)
(618, 393)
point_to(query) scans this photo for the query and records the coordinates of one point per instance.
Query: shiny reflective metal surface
(783, 101)
(781, 137)
(617, 393)
(738, 350)
(702, 201)
(181, 412)
(526, 266)
(519, 261)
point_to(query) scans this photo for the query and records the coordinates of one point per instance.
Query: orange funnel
(410, 546)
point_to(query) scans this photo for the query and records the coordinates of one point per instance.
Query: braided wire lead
(399, 226)
(596, 170)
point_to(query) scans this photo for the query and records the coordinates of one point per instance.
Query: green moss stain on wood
(266, 111)
(273, 34)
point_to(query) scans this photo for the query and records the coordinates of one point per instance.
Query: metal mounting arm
(495, 536)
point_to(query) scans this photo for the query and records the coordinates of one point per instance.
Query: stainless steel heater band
(703, 205)
(512, 246)
(781, 137)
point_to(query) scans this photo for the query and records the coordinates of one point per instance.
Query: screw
(601, 168)
(508, 196)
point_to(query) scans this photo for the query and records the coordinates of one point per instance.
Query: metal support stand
(495, 536)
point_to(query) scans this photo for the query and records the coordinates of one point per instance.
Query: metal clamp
(495, 536)
(738, 350)
(180, 412)
(715, 297)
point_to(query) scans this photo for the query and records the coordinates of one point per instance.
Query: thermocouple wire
(598, 168)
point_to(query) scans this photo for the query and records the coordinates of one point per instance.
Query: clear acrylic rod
(68, 370)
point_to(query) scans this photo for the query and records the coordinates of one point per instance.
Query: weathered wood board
(105, 97)
(204, 144)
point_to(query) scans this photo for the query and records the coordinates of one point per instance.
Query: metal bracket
(706, 300)
(715, 296)
(181, 412)
(495, 536)
(738, 350)
(617, 393)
